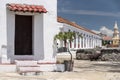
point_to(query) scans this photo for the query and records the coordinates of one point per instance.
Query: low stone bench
(27, 66)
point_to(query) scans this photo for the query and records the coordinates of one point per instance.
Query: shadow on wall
(54, 48)
(3, 53)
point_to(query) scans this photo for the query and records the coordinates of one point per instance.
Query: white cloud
(96, 31)
(105, 30)
(90, 12)
(63, 4)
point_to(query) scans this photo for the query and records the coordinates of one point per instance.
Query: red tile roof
(62, 20)
(26, 8)
(107, 38)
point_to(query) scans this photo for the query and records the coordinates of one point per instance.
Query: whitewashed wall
(44, 30)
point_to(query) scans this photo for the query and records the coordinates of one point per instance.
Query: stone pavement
(83, 70)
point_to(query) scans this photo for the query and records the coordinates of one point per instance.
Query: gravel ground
(83, 70)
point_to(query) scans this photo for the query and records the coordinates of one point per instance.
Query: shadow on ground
(99, 66)
(110, 67)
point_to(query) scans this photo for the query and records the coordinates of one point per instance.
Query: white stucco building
(88, 40)
(26, 30)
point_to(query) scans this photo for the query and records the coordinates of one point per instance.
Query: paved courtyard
(83, 70)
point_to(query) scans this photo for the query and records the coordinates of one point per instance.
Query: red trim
(7, 64)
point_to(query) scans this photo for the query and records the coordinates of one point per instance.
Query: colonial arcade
(87, 40)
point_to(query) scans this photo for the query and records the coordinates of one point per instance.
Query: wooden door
(23, 35)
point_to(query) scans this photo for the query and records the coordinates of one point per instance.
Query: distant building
(116, 37)
(106, 41)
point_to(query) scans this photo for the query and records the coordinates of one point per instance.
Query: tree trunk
(78, 45)
(65, 43)
(70, 44)
(75, 43)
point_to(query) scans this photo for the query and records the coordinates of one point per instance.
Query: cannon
(88, 54)
(103, 54)
(95, 56)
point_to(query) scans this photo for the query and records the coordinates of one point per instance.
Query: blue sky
(92, 14)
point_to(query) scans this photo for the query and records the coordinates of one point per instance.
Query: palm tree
(64, 36)
(71, 37)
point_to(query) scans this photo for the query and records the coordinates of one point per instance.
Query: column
(72, 44)
(83, 42)
(97, 42)
(76, 42)
(93, 42)
(80, 42)
(88, 42)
